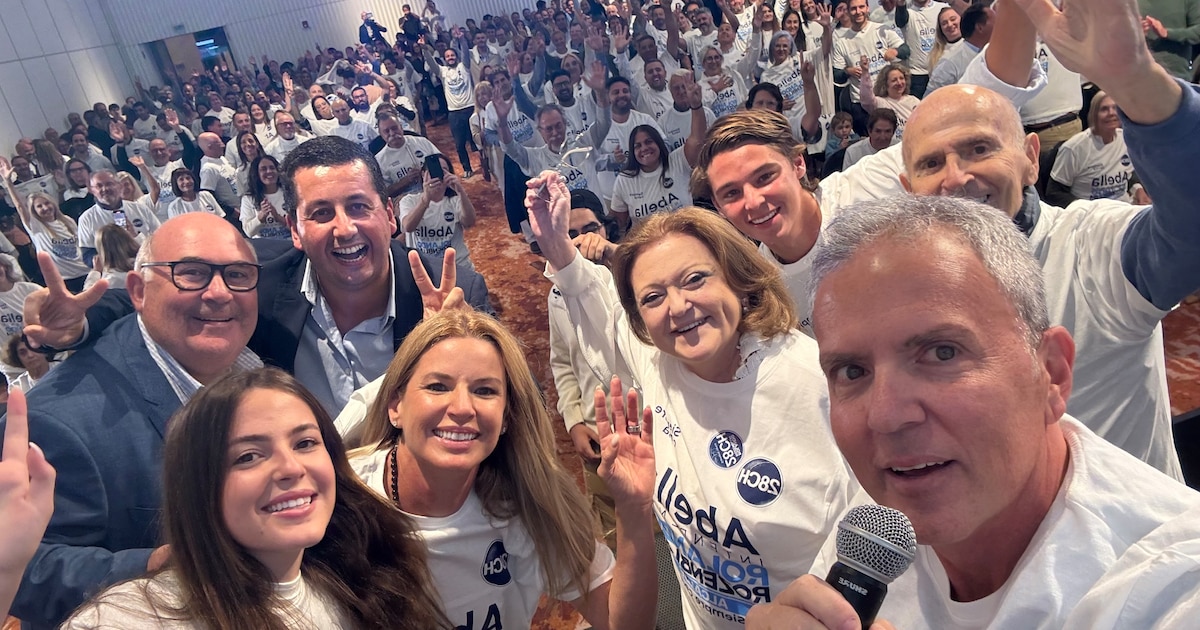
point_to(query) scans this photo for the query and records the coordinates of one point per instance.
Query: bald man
(105, 438)
(217, 175)
(1112, 270)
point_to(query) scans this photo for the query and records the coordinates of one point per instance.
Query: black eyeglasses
(196, 275)
(590, 228)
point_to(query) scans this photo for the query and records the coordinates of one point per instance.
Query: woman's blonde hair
(768, 308)
(58, 214)
(522, 478)
(124, 178)
(1094, 110)
(115, 248)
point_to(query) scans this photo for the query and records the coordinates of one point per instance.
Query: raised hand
(513, 63)
(824, 16)
(626, 448)
(549, 203)
(116, 131)
(288, 84)
(446, 295)
(53, 315)
(808, 74)
(594, 247)
(503, 107)
(1104, 41)
(172, 117)
(137, 161)
(695, 94)
(6, 169)
(596, 76)
(26, 492)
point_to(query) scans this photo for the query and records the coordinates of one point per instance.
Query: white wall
(56, 56)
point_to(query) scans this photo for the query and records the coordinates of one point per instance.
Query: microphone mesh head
(878, 540)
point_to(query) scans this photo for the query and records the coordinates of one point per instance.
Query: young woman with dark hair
(268, 526)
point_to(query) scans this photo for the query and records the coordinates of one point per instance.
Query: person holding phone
(434, 219)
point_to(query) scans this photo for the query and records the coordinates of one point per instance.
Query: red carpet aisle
(518, 293)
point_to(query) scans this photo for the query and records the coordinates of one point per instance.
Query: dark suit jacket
(100, 417)
(283, 310)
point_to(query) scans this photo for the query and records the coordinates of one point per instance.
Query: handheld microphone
(875, 544)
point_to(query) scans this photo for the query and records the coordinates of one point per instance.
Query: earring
(503, 429)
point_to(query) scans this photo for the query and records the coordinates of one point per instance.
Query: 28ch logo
(495, 565)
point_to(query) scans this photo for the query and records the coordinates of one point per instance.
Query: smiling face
(758, 189)
(956, 146)
(280, 489)
(203, 330)
(689, 310)
(620, 97)
(646, 152)
(781, 49)
(44, 208)
(712, 62)
(343, 227)
(791, 24)
(1107, 120)
(187, 185)
(249, 146)
(451, 411)
(268, 172)
(942, 408)
(858, 14)
(948, 21)
(106, 188)
(656, 75)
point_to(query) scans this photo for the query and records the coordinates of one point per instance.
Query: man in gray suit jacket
(101, 416)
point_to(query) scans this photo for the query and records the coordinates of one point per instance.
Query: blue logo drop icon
(759, 482)
(495, 565)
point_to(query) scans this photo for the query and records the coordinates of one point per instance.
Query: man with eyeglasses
(101, 416)
(286, 138)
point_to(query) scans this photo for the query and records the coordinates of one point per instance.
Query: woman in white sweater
(748, 480)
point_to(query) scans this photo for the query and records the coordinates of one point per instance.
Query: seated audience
(1094, 163)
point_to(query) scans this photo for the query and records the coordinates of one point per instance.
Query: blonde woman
(50, 230)
(460, 440)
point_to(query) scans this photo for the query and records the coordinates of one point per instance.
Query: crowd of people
(799, 256)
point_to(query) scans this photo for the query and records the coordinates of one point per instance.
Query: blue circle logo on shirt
(668, 182)
(1125, 160)
(759, 482)
(495, 565)
(448, 217)
(419, 153)
(725, 449)
(878, 45)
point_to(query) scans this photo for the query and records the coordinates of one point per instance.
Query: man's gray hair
(1003, 249)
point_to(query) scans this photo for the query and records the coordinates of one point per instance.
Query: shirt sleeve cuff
(978, 73)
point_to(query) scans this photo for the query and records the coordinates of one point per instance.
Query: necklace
(395, 489)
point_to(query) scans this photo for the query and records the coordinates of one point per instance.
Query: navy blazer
(101, 418)
(283, 309)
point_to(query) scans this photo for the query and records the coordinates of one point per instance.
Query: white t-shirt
(140, 214)
(644, 194)
(903, 107)
(677, 125)
(399, 163)
(617, 138)
(63, 247)
(1060, 96)
(872, 41)
(440, 228)
(219, 176)
(1111, 511)
(579, 171)
(300, 607)
(486, 570)
(357, 131)
(521, 127)
(728, 100)
(921, 33)
(786, 77)
(145, 129)
(460, 90)
(749, 482)
(1092, 169)
(225, 115)
(653, 102)
(204, 202)
(697, 42)
(279, 148)
(272, 227)
(162, 174)
(860, 150)
(12, 305)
